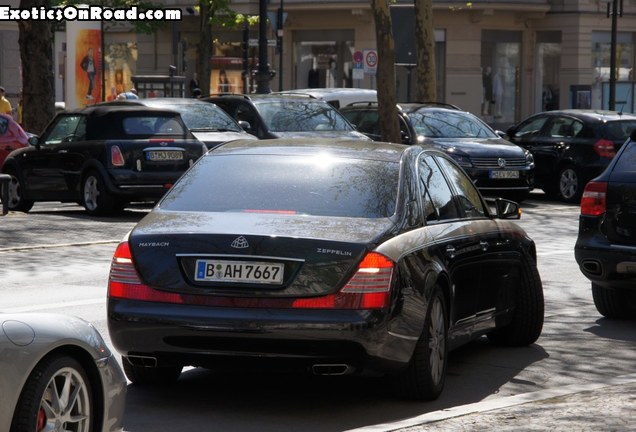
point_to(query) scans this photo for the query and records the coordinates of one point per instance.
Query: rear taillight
(369, 288)
(605, 148)
(116, 156)
(593, 201)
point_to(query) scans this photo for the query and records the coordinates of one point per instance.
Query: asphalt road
(56, 258)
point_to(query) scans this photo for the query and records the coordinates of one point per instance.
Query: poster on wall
(84, 64)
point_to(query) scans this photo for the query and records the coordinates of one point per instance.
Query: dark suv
(496, 166)
(286, 116)
(606, 245)
(571, 147)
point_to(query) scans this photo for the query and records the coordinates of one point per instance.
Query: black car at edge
(606, 245)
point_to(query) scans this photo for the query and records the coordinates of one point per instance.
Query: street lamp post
(263, 75)
(616, 11)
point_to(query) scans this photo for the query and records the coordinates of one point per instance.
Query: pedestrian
(194, 84)
(88, 66)
(5, 105)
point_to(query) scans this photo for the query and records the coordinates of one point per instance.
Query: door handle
(63, 151)
(484, 245)
(450, 251)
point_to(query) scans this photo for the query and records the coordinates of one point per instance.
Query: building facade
(502, 60)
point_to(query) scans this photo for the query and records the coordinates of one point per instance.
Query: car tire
(570, 185)
(16, 197)
(527, 321)
(95, 196)
(611, 303)
(150, 375)
(45, 400)
(425, 375)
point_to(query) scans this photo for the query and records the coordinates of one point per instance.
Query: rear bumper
(611, 266)
(206, 336)
(134, 185)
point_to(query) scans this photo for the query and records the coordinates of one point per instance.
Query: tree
(387, 103)
(36, 56)
(426, 82)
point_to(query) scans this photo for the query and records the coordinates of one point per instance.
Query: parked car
(286, 116)
(498, 167)
(338, 256)
(207, 122)
(337, 96)
(571, 147)
(12, 136)
(56, 372)
(102, 157)
(606, 245)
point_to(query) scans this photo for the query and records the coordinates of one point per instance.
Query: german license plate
(504, 174)
(159, 155)
(210, 270)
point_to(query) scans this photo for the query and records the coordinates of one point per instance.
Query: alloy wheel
(437, 340)
(65, 403)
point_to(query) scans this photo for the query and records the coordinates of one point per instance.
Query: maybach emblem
(240, 243)
(501, 162)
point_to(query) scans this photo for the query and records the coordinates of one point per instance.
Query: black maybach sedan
(606, 245)
(341, 256)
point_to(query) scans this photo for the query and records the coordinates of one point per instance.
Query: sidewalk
(609, 406)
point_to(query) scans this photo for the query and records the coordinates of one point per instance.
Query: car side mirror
(511, 131)
(4, 192)
(503, 208)
(34, 140)
(245, 125)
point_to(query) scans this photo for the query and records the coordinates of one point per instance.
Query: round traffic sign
(358, 57)
(371, 59)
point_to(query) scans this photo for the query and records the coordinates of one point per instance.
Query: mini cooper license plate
(504, 174)
(161, 155)
(210, 270)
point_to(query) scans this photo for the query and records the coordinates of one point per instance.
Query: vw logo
(501, 162)
(240, 243)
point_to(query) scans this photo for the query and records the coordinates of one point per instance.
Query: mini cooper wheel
(96, 198)
(16, 200)
(57, 396)
(426, 373)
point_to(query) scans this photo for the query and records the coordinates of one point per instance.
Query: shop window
(500, 60)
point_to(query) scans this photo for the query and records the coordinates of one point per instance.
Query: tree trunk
(36, 56)
(426, 79)
(204, 68)
(387, 103)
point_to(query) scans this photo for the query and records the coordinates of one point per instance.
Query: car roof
(404, 107)
(106, 109)
(354, 149)
(260, 97)
(592, 115)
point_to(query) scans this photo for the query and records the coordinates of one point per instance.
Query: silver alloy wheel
(65, 403)
(91, 192)
(568, 183)
(14, 192)
(437, 340)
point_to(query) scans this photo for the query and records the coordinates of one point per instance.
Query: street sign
(370, 61)
(358, 57)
